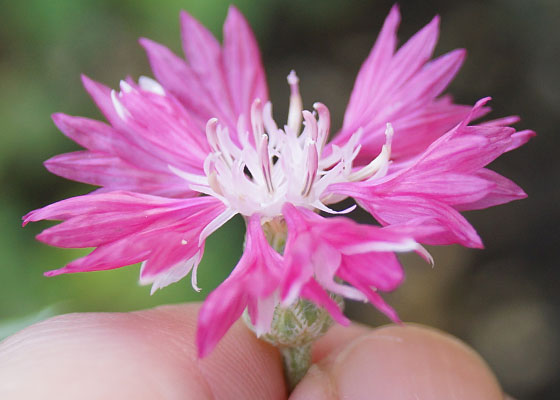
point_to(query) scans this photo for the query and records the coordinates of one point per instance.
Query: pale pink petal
(242, 62)
(112, 173)
(174, 273)
(88, 133)
(160, 123)
(101, 95)
(204, 55)
(375, 66)
(176, 76)
(104, 139)
(520, 138)
(394, 87)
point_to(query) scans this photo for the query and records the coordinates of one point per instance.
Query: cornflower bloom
(185, 153)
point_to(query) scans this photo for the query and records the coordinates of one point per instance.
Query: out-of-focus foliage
(502, 300)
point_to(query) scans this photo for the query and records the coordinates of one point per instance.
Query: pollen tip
(389, 132)
(292, 78)
(212, 122)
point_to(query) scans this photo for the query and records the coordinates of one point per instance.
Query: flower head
(186, 152)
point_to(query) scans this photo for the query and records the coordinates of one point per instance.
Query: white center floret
(273, 166)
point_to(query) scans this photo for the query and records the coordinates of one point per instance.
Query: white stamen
(296, 104)
(380, 162)
(311, 168)
(194, 271)
(323, 124)
(257, 121)
(265, 163)
(193, 178)
(211, 135)
(310, 125)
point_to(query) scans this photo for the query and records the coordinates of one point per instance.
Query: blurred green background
(503, 300)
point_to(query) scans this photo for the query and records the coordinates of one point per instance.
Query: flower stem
(297, 361)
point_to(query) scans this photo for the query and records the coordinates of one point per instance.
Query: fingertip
(317, 385)
(336, 338)
(140, 355)
(400, 362)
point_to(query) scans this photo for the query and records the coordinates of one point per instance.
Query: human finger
(400, 362)
(140, 355)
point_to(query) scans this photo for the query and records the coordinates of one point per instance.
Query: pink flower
(184, 154)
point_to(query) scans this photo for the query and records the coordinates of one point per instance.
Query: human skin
(151, 354)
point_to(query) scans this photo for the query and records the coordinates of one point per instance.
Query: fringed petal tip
(89, 84)
(56, 272)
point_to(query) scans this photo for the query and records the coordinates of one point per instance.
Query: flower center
(260, 171)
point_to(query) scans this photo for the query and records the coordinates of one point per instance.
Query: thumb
(401, 362)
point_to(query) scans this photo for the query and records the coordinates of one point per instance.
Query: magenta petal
(503, 191)
(314, 292)
(381, 270)
(520, 138)
(127, 228)
(410, 209)
(254, 279)
(220, 310)
(322, 251)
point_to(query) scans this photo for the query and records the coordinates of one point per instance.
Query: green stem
(297, 361)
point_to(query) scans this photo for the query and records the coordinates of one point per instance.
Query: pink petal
(314, 292)
(503, 191)
(375, 66)
(88, 133)
(114, 174)
(101, 95)
(375, 299)
(127, 228)
(251, 283)
(205, 58)
(160, 123)
(320, 251)
(403, 209)
(219, 312)
(381, 270)
(244, 70)
(176, 76)
(394, 87)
